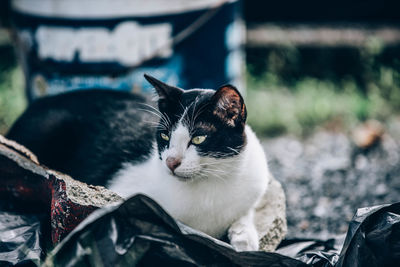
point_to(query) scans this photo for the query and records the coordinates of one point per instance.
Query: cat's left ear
(229, 106)
(165, 92)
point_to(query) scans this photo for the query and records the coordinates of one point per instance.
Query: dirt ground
(326, 177)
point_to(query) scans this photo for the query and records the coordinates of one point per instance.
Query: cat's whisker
(220, 167)
(216, 171)
(151, 108)
(167, 118)
(198, 113)
(223, 161)
(158, 126)
(151, 123)
(192, 119)
(182, 116)
(203, 176)
(223, 156)
(194, 115)
(212, 174)
(163, 121)
(182, 106)
(215, 175)
(234, 150)
(155, 123)
(151, 112)
(164, 117)
(219, 163)
(158, 115)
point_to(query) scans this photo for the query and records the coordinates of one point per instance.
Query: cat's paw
(243, 238)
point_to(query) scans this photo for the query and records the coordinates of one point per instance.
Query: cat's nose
(173, 163)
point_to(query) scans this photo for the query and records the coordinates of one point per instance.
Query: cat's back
(87, 134)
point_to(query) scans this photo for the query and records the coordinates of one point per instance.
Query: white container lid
(104, 9)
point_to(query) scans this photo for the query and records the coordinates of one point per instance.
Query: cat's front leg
(242, 234)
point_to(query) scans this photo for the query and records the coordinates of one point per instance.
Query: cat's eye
(197, 140)
(164, 136)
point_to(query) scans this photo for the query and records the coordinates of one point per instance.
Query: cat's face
(201, 131)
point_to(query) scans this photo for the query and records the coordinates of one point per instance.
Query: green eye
(197, 140)
(164, 136)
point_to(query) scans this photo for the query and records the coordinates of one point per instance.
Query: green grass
(12, 97)
(308, 104)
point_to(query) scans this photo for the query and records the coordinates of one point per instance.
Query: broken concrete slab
(27, 186)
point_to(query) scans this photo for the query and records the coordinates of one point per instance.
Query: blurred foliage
(12, 97)
(281, 96)
(282, 100)
(276, 109)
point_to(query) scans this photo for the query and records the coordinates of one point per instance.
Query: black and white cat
(201, 162)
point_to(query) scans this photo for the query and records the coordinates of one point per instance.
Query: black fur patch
(87, 134)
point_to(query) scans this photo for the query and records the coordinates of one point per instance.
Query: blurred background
(322, 87)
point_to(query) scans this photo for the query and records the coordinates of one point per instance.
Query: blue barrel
(74, 44)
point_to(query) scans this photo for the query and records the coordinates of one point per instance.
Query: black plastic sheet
(311, 251)
(139, 232)
(20, 239)
(373, 238)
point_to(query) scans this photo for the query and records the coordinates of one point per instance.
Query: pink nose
(173, 163)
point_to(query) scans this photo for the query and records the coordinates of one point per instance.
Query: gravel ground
(326, 177)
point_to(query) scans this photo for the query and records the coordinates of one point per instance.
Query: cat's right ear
(165, 92)
(229, 106)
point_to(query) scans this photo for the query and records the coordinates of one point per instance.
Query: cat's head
(201, 131)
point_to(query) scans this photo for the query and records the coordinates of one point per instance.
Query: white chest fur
(210, 204)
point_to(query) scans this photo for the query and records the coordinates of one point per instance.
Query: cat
(200, 161)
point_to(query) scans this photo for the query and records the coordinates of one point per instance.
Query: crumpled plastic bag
(20, 239)
(373, 238)
(139, 232)
(312, 251)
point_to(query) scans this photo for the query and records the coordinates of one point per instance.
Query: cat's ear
(228, 105)
(164, 91)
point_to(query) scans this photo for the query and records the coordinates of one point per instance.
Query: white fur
(216, 194)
